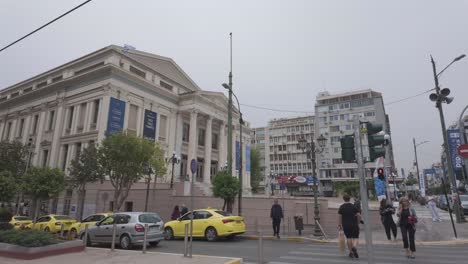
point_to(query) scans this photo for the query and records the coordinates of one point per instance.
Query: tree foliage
(158, 163)
(255, 170)
(13, 156)
(124, 159)
(410, 181)
(83, 170)
(226, 187)
(8, 186)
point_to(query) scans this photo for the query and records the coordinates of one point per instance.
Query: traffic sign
(193, 166)
(463, 151)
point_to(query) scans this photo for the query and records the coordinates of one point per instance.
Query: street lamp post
(148, 181)
(310, 150)
(229, 87)
(173, 160)
(416, 158)
(439, 97)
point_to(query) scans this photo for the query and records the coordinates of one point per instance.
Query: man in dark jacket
(276, 215)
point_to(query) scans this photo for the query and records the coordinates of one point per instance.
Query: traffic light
(380, 174)
(348, 154)
(376, 141)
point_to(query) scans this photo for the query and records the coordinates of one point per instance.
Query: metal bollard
(62, 226)
(144, 238)
(186, 241)
(256, 224)
(260, 248)
(85, 238)
(289, 226)
(114, 229)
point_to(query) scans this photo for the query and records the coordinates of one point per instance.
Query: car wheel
(125, 242)
(88, 240)
(154, 244)
(73, 233)
(211, 234)
(168, 233)
(46, 229)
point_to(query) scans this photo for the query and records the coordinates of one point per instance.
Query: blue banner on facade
(247, 157)
(453, 137)
(116, 117)
(149, 125)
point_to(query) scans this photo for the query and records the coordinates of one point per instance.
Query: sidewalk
(105, 256)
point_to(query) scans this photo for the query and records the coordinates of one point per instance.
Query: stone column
(222, 144)
(103, 116)
(13, 129)
(234, 158)
(27, 122)
(40, 132)
(208, 146)
(193, 144)
(58, 130)
(87, 123)
(75, 119)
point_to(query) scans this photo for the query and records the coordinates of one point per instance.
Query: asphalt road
(283, 252)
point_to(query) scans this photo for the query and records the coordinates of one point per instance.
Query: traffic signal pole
(363, 189)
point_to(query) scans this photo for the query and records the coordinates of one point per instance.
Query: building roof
(326, 95)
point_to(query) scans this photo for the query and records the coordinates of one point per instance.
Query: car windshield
(149, 218)
(22, 218)
(62, 217)
(223, 213)
(464, 198)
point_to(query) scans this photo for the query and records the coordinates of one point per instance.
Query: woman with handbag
(407, 221)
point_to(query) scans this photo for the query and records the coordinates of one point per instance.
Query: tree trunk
(81, 199)
(37, 205)
(116, 201)
(224, 205)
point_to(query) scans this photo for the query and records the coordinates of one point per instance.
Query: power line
(277, 110)
(48, 23)
(409, 97)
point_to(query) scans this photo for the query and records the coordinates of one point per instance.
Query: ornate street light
(173, 160)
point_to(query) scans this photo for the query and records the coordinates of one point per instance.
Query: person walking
(348, 221)
(407, 221)
(276, 215)
(184, 210)
(432, 205)
(175, 213)
(386, 215)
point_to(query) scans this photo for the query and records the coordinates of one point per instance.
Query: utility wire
(276, 110)
(48, 23)
(409, 97)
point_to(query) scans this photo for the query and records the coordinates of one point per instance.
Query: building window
(8, 130)
(334, 118)
(42, 84)
(201, 137)
(128, 206)
(334, 128)
(214, 141)
(70, 117)
(162, 127)
(95, 112)
(21, 127)
(51, 120)
(27, 90)
(45, 156)
(323, 119)
(336, 150)
(337, 161)
(57, 78)
(14, 95)
(82, 117)
(89, 68)
(35, 121)
(111, 206)
(185, 132)
(65, 157)
(166, 85)
(138, 72)
(77, 151)
(367, 114)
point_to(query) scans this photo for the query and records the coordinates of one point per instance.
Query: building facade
(65, 109)
(260, 141)
(334, 116)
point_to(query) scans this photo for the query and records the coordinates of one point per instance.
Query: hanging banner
(149, 125)
(238, 155)
(116, 117)
(379, 184)
(454, 141)
(422, 186)
(247, 157)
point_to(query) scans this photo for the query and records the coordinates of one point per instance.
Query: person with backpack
(407, 220)
(386, 215)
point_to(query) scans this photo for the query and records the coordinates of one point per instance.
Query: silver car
(130, 229)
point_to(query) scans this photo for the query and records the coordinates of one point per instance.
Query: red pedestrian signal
(380, 173)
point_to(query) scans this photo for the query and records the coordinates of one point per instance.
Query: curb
(324, 241)
(234, 261)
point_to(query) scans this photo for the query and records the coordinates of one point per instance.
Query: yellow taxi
(207, 223)
(53, 223)
(91, 220)
(20, 222)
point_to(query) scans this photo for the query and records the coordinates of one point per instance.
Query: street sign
(193, 166)
(463, 151)
(310, 180)
(300, 179)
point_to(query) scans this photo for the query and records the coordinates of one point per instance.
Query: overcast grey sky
(285, 52)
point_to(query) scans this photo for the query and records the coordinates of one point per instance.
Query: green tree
(8, 186)
(13, 156)
(226, 187)
(255, 171)
(158, 163)
(83, 170)
(43, 184)
(124, 159)
(410, 181)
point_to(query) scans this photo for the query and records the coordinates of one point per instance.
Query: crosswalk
(424, 212)
(383, 254)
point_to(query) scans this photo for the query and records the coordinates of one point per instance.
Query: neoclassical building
(65, 109)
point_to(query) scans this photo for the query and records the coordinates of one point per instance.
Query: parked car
(53, 223)
(20, 222)
(442, 202)
(207, 223)
(91, 220)
(464, 202)
(130, 228)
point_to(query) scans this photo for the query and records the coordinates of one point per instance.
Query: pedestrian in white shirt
(432, 205)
